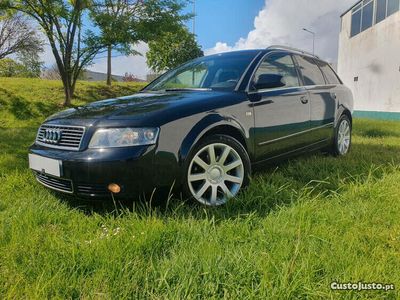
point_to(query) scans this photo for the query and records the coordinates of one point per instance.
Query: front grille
(92, 189)
(58, 184)
(66, 137)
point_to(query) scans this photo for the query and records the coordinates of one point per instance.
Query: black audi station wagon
(200, 127)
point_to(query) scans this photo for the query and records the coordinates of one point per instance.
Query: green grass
(300, 225)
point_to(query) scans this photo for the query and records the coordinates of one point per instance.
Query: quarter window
(330, 75)
(279, 64)
(312, 74)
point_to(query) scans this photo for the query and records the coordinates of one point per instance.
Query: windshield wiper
(187, 89)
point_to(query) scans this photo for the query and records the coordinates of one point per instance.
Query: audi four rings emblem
(52, 136)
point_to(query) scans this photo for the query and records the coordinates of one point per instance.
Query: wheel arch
(210, 125)
(343, 111)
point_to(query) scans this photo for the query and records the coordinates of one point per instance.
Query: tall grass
(300, 225)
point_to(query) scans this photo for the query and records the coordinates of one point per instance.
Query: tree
(172, 49)
(61, 22)
(11, 68)
(16, 36)
(32, 63)
(123, 23)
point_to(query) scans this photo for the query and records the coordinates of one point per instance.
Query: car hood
(146, 105)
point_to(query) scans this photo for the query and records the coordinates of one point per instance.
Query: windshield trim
(260, 53)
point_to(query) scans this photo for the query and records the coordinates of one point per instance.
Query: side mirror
(269, 81)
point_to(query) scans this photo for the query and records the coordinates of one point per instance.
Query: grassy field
(301, 225)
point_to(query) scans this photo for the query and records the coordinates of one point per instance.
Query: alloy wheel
(215, 174)
(344, 137)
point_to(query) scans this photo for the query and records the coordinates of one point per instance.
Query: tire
(343, 137)
(213, 179)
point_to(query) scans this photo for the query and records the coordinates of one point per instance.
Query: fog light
(114, 188)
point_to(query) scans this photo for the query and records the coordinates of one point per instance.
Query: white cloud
(281, 22)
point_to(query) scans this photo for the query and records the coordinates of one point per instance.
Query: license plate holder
(45, 165)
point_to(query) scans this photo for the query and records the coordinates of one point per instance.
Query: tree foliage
(12, 68)
(61, 22)
(123, 23)
(172, 49)
(17, 36)
(31, 61)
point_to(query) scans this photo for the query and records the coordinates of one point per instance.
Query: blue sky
(225, 25)
(230, 19)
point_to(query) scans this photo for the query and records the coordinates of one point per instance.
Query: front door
(282, 114)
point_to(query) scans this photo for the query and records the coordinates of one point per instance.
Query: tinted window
(367, 16)
(330, 75)
(393, 6)
(279, 64)
(311, 73)
(380, 10)
(356, 23)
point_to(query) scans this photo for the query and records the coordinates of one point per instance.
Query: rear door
(322, 98)
(282, 115)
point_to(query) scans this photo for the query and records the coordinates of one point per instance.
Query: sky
(225, 25)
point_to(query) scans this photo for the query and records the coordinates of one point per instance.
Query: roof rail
(292, 49)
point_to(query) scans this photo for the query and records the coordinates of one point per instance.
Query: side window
(311, 73)
(330, 75)
(279, 70)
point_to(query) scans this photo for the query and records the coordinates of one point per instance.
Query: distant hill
(97, 76)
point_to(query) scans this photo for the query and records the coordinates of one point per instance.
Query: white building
(369, 56)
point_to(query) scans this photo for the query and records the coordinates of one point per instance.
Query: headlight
(124, 137)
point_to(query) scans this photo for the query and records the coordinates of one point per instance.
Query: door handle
(304, 100)
(334, 96)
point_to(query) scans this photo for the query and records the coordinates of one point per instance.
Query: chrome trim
(295, 134)
(299, 93)
(282, 47)
(292, 151)
(52, 187)
(55, 126)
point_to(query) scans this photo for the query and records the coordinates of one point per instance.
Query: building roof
(355, 4)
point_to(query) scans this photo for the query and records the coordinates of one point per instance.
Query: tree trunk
(69, 88)
(68, 97)
(109, 65)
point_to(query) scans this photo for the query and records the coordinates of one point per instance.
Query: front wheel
(216, 171)
(342, 141)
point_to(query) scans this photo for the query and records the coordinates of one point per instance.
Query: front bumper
(88, 173)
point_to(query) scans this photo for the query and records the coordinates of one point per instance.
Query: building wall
(374, 57)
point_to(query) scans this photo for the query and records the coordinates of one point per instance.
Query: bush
(11, 68)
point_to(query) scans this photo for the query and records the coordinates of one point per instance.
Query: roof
(354, 5)
(291, 49)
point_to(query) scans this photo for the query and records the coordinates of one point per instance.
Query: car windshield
(216, 72)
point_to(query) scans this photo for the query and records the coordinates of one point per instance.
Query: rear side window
(279, 64)
(312, 75)
(330, 75)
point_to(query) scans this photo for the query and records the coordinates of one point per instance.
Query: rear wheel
(342, 141)
(217, 169)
